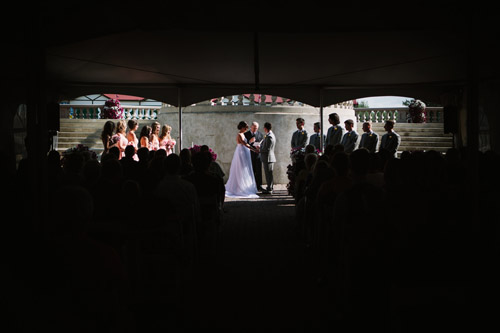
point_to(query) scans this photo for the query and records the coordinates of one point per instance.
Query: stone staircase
(427, 136)
(80, 131)
(423, 137)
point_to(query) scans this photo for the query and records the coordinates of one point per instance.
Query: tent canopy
(194, 51)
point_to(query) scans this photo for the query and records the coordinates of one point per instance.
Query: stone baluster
(273, 100)
(262, 99)
(396, 116)
(430, 116)
(252, 99)
(373, 117)
(154, 113)
(148, 114)
(361, 116)
(135, 114)
(141, 114)
(98, 113)
(390, 115)
(240, 100)
(379, 116)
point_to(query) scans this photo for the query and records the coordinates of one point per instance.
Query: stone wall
(216, 126)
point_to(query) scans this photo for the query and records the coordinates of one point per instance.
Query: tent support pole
(321, 143)
(179, 144)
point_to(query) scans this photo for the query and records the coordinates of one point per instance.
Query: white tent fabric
(188, 52)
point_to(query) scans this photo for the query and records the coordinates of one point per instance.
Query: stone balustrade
(266, 100)
(72, 111)
(399, 115)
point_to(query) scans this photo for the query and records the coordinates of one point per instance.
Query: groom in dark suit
(267, 156)
(253, 135)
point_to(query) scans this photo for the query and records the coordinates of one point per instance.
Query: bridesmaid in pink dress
(120, 138)
(131, 137)
(155, 141)
(145, 137)
(166, 141)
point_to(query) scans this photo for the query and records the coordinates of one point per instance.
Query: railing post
(262, 99)
(252, 99)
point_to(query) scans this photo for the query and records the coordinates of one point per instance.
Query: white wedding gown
(241, 182)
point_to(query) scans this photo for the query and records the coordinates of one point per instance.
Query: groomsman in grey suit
(390, 140)
(335, 132)
(316, 137)
(350, 138)
(267, 156)
(369, 139)
(299, 137)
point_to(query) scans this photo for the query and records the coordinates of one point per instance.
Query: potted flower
(416, 112)
(112, 109)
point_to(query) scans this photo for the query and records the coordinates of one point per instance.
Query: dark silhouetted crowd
(121, 236)
(414, 237)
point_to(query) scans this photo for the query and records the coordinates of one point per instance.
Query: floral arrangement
(297, 153)
(80, 149)
(417, 111)
(196, 149)
(112, 109)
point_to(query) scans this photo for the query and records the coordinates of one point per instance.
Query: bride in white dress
(241, 182)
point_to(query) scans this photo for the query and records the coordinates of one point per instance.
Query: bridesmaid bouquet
(170, 144)
(115, 139)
